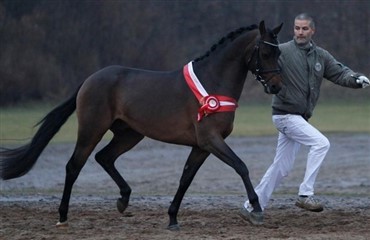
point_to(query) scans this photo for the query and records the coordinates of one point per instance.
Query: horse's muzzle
(273, 89)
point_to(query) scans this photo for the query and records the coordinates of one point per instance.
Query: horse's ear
(277, 29)
(262, 27)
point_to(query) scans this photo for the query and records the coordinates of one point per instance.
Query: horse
(192, 106)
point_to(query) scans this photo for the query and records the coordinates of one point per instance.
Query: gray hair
(305, 16)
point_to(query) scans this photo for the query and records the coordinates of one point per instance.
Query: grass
(16, 124)
(340, 117)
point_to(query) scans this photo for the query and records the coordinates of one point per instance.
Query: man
(303, 65)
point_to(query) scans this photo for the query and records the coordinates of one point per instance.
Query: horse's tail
(17, 162)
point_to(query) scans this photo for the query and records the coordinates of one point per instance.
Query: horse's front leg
(217, 146)
(195, 160)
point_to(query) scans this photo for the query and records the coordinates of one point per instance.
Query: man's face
(302, 32)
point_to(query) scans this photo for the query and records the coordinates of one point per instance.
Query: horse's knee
(241, 169)
(100, 158)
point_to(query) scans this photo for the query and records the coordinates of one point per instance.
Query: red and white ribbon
(209, 103)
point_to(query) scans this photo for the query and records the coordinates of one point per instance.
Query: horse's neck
(225, 71)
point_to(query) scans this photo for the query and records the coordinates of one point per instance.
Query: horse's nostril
(274, 89)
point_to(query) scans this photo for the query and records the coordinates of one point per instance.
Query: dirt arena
(29, 205)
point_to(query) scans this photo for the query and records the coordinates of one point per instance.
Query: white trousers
(293, 132)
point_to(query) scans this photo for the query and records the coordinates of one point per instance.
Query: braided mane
(228, 38)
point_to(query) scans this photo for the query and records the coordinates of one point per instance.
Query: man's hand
(362, 80)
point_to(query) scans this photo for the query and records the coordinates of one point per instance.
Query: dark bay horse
(192, 106)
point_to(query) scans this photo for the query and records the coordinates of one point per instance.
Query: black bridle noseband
(258, 71)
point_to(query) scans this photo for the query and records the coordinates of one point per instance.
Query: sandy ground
(29, 205)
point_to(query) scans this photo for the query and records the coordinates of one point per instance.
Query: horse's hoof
(256, 218)
(62, 224)
(174, 227)
(122, 205)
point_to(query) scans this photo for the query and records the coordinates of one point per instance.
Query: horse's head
(265, 59)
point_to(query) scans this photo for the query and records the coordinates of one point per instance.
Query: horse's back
(147, 101)
(124, 85)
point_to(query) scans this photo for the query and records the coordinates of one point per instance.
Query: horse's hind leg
(192, 165)
(84, 146)
(123, 140)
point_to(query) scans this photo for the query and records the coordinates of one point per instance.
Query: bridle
(258, 71)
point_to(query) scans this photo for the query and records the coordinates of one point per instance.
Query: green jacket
(303, 70)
